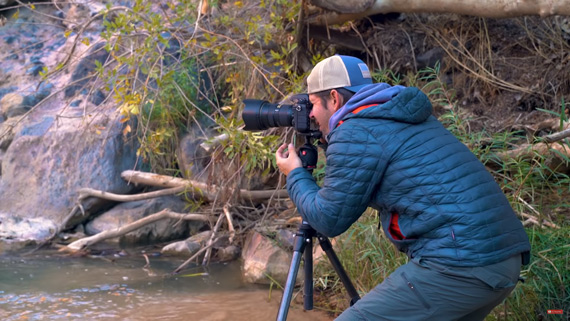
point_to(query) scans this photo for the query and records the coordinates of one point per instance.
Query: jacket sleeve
(354, 167)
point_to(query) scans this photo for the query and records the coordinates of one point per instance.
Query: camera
(292, 112)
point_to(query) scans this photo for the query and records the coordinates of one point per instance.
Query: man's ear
(336, 99)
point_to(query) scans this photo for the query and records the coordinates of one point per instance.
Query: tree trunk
(478, 8)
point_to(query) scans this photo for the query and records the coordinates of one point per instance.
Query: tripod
(304, 245)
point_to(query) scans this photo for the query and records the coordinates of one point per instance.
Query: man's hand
(287, 158)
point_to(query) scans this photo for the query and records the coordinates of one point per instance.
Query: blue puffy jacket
(436, 200)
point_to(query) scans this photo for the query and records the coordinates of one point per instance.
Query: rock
(7, 132)
(18, 228)
(4, 91)
(195, 159)
(160, 231)
(181, 248)
(44, 165)
(261, 257)
(187, 247)
(80, 76)
(229, 253)
(12, 104)
(97, 97)
(76, 15)
(285, 238)
(192, 159)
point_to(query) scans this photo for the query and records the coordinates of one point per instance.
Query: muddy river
(50, 286)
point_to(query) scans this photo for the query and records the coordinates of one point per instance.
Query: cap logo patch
(364, 70)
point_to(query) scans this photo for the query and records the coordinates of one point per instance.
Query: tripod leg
(308, 290)
(299, 247)
(337, 266)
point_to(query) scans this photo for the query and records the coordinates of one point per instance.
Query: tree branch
(208, 191)
(211, 241)
(88, 192)
(557, 136)
(166, 213)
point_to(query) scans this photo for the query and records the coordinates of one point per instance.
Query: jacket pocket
(416, 292)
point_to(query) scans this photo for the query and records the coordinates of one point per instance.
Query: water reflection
(51, 287)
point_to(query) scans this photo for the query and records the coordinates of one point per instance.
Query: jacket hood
(398, 103)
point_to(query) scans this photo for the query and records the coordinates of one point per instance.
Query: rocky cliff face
(57, 134)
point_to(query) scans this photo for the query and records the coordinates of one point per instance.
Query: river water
(52, 286)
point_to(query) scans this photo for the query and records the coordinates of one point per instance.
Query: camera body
(293, 112)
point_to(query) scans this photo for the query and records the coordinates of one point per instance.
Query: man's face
(322, 111)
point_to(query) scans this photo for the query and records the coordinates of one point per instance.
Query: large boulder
(160, 231)
(48, 160)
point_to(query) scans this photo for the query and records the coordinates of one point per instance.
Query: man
(437, 202)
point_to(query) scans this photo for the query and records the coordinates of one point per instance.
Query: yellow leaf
(126, 130)
(98, 132)
(32, 7)
(85, 41)
(67, 33)
(238, 4)
(16, 14)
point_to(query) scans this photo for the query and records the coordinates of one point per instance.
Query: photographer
(437, 202)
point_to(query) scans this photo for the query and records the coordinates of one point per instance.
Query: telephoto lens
(292, 112)
(262, 115)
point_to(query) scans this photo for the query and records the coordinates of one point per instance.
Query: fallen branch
(211, 241)
(358, 9)
(88, 192)
(529, 219)
(209, 192)
(166, 213)
(230, 223)
(557, 136)
(555, 154)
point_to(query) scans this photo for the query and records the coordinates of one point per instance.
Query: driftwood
(211, 240)
(88, 192)
(557, 136)
(535, 217)
(555, 152)
(530, 150)
(85, 193)
(209, 192)
(477, 8)
(164, 214)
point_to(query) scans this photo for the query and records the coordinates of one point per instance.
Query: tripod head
(308, 153)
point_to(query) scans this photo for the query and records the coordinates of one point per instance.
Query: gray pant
(432, 291)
